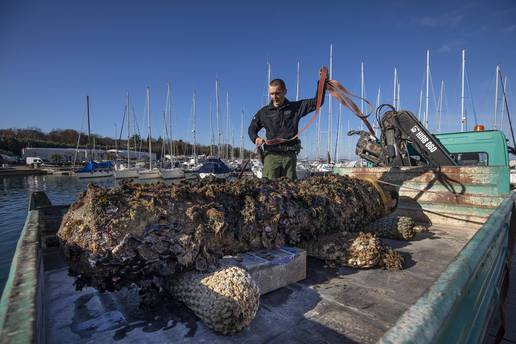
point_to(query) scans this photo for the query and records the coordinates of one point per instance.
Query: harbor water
(14, 199)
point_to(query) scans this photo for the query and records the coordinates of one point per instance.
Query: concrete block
(271, 269)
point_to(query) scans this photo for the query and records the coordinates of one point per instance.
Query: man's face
(277, 94)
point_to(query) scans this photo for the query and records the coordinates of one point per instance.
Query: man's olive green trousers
(280, 164)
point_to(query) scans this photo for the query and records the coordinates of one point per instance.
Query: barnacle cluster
(357, 250)
(225, 300)
(367, 251)
(393, 227)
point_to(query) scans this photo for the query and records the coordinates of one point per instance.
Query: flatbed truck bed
(332, 305)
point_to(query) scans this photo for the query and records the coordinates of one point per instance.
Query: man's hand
(259, 141)
(326, 80)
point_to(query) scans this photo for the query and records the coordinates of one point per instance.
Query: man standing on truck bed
(280, 118)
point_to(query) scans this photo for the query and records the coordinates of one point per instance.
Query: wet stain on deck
(98, 312)
(164, 318)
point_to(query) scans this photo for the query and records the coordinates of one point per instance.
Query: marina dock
(21, 171)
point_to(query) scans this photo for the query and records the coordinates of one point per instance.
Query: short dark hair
(278, 82)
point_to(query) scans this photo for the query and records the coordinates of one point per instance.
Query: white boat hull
(172, 173)
(216, 175)
(149, 174)
(191, 169)
(512, 177)
(126, 173)
(302, 173)
(94, 174)
(324, 168)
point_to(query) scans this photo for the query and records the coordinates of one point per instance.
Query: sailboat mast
(362, 87)
(349, 144)
(420, 108)
(318, 138)
(463, 124)
(398, 95)
(504, 87)
(228, 138)
(232, 145)
(297, 82)
(211, 130)
(241, 155)
(395, 88)
(268, 77)
(336, 158)
(164, 142)
(217, 113)
(441, 94)
(330, 103)
(506, 107)
(89, 132)
(194, 128)
(149, 128)
(268, 82)
(378, 95)
(169, 112)
(362, 91)
(496, 96)
(427, 86)
(128, 130)
(116, 145)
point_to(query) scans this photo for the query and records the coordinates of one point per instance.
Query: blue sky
(54, 53)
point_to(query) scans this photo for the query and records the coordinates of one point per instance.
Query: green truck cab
(480, 148)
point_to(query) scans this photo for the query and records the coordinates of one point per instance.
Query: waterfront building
(69, 154)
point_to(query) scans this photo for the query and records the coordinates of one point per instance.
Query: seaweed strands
(225, 300)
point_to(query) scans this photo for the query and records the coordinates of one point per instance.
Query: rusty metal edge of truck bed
(459, 306)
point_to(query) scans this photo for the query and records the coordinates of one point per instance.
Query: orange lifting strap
(341, 94)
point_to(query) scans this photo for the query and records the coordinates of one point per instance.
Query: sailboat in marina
(94, 169)
(122, 171)
(193, 164)
(214, 167)
(170, 172)
(149, 173)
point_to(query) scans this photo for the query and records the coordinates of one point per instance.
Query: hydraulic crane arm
(399, 131)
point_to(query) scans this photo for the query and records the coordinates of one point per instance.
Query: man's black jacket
(281, 122)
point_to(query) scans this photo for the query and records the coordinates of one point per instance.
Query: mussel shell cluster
(357, 250)
(393, 227)
(225, 300)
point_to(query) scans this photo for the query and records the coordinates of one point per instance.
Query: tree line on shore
(13, 140)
